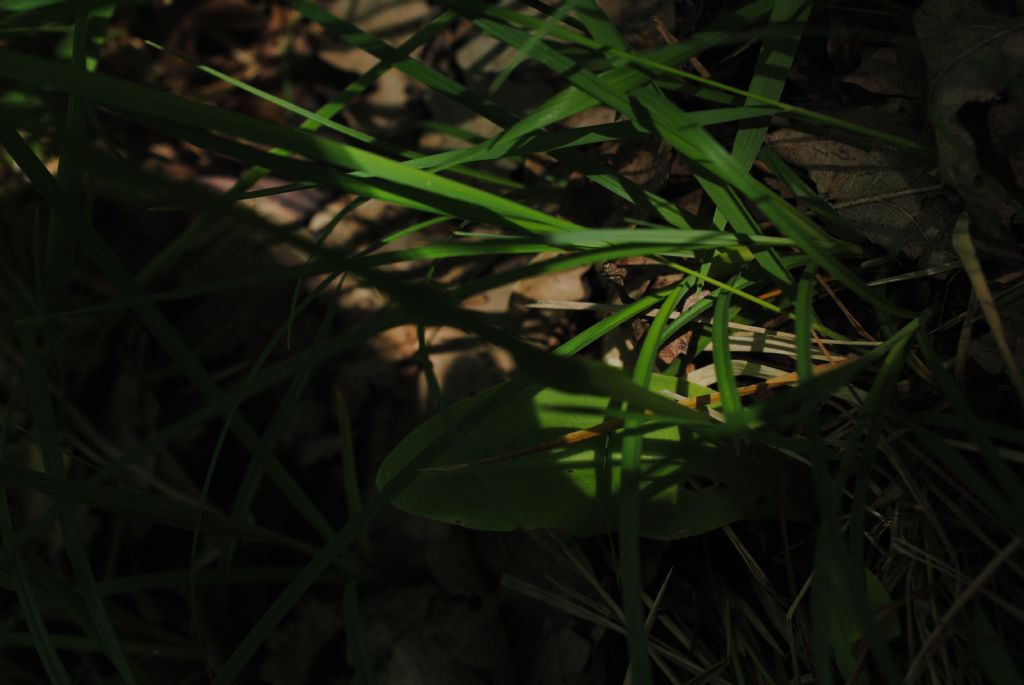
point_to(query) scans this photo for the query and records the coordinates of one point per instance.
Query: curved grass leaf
(152, 106)
(630, 563)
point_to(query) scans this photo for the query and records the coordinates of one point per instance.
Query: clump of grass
(911, 567)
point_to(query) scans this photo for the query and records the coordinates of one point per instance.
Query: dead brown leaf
(889, 196)
(973, 56)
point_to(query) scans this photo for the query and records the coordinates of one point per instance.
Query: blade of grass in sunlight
(900, 465)
(585, 380)
(487, 150)
(548, 113)
(731, 405)
(559, 14)
(573, 100)
(328, 111)
(772, 69)
(316, 120)
(704, 153)
(629, 506)
(154, 106)
(498, 16)
(769, 78)
(720, 194)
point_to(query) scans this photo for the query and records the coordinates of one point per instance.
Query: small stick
(846, 312)
(659, 25)
(611, 425)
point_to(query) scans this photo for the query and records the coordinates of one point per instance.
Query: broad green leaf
(846, 630)
(687, 486)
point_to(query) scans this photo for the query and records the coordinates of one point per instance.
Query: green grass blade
(23, 586)
(161, 329)
(356, 636)
(653, 63)
(731, 404)
(629, 508)
(769, 79)
(804, 322)
(152, 107)
(707, 155)
(49, 442)
(773, 65)
(60, 245)
(560, 12)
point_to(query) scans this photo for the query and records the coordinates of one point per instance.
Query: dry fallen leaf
(974, 57)
(889, 196)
